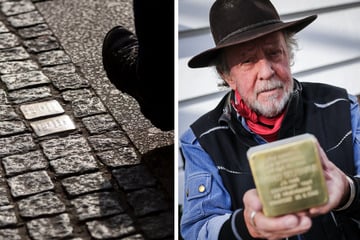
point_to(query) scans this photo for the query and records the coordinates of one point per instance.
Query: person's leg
(151, 54)
(154, 26)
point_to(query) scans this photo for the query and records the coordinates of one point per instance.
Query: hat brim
(206, 58)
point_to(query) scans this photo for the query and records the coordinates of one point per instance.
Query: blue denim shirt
(207, 203)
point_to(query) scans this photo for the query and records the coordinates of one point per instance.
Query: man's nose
(265, 69)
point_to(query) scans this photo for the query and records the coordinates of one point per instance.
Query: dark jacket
(319, 109)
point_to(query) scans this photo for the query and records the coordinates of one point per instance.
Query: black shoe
(119, 56)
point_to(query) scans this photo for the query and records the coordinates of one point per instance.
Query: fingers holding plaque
(288, 175)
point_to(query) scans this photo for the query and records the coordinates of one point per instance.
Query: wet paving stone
(7, 216)
(124, 156)
(57, 227)
(30, 183)
(42, 204)
(87, 107)
(62, 147)
(134, 177)
(74, 164)
(29, 94)
(41, 44)
(114, 227)
(18, 66)
(97, 205)
(20, 163)
(35, 31)
(10, 234)
(17, 7)
(8, 40)
(108, 141)
(54, 57)
(147, 200)
(16, 144)
(86, 183)
(25, 19)
(22, 80)
(8, 113)
(12, 54)
(11, 127)
(99, 123)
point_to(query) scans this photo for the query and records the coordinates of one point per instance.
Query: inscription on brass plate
(288, 175)
(41, 109)
(53, 125)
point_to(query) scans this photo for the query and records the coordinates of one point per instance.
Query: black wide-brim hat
(238, 21)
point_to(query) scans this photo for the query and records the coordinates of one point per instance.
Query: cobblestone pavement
(72, 167)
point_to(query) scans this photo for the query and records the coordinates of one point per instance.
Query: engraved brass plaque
(41, 109)
(53, 125)
(288, 175)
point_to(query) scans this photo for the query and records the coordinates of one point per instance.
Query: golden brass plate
(288, 175)
(41, 109)
(53, 125)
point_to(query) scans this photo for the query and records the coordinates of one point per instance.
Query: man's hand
(273, 228)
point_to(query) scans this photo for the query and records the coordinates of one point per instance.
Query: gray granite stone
(20, 163)
(8, 113)
(114, 227)
(10, 234)
(160, 226)
(86, 183)
(58, 227)
(22, 80)
(11, 127)
(66, 146)
(87, 107)
(69, 81)
(42, 204)
(16, 144)
(3, 28)
(8, 40)
(134, 177)
(30, 183)
(29, 94)
(109, 141)
(35, 31)
(58, 70)
(7, 216)
(12, 54)
(18, 66)
(99, 123)
(41, 44)
(72, 95)
(54, 57)
(16, 7)
(25, 19)
(124, 156)
(97, 205)
(74, 164)
(4, 198)
(147, 200)
(3, 97)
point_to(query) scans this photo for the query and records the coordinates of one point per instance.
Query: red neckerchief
(268, 128)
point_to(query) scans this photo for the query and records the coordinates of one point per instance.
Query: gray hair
(223, 68)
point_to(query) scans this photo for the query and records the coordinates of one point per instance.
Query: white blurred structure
(329, 52)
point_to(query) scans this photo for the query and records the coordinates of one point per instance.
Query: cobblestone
(86, 182)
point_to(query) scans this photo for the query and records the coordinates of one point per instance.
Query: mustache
(267, 85)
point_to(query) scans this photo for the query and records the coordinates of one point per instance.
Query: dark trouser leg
(154, 24)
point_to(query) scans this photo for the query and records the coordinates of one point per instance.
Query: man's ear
(229, 80)
(226, 77)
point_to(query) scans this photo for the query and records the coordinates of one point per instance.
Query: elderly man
(253, 54)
